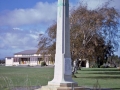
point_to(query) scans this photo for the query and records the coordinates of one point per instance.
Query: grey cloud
(42, 12)
(15, 39)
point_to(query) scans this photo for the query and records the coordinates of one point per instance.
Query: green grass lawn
(35, 76)
(24, 76)
(107, 77)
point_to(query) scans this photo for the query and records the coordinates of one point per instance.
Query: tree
(114, 60)
(92, 33)
(2, 61)
(47, 42)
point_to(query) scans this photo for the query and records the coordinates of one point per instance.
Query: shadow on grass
(115, 88)
(101, 69)
(101, 77)
(108, 73)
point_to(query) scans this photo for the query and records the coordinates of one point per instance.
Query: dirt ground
(26, 88)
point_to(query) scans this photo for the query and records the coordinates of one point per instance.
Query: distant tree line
(2, 61)
(93, 34)
(114, 60)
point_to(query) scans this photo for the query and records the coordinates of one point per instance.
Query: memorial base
(61, 87)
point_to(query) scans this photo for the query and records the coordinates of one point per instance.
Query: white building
(9, 61)
(27, 57)
(87, 63)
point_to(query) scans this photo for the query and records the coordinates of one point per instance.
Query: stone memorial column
(63, 70)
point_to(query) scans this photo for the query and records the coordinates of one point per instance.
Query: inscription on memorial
(68, 68)
(60, 6)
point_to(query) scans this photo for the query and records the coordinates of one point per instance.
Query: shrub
(43, 63)
(94, 66)
(104, 66)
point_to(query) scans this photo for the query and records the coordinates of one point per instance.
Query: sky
(21, 22)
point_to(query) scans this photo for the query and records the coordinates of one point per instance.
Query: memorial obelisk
(62, 71)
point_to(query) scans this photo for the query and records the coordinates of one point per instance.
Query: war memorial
(63, 70)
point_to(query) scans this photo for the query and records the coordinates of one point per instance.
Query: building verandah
(28, 57)
(27, 60)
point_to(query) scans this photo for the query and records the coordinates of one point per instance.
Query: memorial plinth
(62, 71)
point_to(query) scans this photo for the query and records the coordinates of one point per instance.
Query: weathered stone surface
(63, 70)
